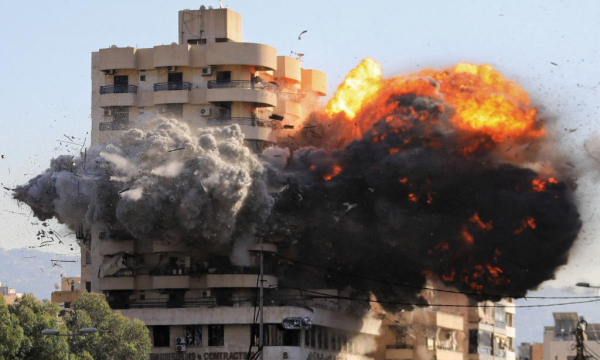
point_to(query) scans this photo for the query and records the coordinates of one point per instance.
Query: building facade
(200, 306)
(469, 331)
(208, 78)
(531, 351)
(558, 339)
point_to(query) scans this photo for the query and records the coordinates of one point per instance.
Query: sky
(549, 46)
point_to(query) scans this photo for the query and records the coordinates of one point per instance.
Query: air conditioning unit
(180, 343)
(109, 71)
(206, 293)
(205, 111)
(107, 112)
(171, 68)
(206, 71)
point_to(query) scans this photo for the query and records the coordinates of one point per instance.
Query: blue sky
(45, 62)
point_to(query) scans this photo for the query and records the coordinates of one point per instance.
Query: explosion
(408, 178)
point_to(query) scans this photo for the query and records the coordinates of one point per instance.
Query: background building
(559, 339)
(9, 294)
(531, 351)
(70, 289)
(483, 331)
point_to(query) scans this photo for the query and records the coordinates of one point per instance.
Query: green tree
(34, 316)
(11, 333)
(118, 337)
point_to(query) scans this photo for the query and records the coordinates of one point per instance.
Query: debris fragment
(122, 191)
(553, 63)
(177, 149)
(300, 36)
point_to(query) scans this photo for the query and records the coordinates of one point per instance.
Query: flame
(486, 102)
(482, 101)
(487, 226)
(539, 185)
(403, 180)
(528, 222)
(467, 235)
(413, 197)
(335, 172)
(361, 83)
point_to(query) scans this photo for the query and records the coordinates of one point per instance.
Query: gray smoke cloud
(165, 184)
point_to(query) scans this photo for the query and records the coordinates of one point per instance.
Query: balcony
(288, 104)
(288, 68)
(237, 281)
(260, 93)
(240, 121)
(448, 355)
(118, 95)
(117, 58)
(262, 57)
(399, 354)
(315, 81)
(117, 283)
(58, 297)
(114, 125)
(172, 93)
(171, 282)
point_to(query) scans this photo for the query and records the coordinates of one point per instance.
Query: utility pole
(261, 308)
(579, 339)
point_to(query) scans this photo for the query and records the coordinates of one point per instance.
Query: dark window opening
(176, 300)
(193, 335)
(216, 335)
(223, 110)
(220, 40)
(120, 114)
(197, 41)
(175, 77)
(121, 80)
(88, 286)
(142, 77)
(275, 335)
(223, 76)
(162, 336)
(67, 305)
(88, 257)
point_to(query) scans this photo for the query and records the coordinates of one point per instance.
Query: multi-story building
(559, 339)
(70, 289)
(530, 351)
(470, 331)
(9, 294)
(208, 78)
(199, 305)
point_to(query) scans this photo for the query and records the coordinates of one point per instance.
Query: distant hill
(32, 271)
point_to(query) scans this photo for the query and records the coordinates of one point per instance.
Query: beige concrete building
(208, 78)
(9, 294)
(531, 351)
(484, 331)
(559, 339)
(70, 289)
(198, 306)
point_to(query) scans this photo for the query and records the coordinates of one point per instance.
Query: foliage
(11, 334)
(34, 316)
(117, 338)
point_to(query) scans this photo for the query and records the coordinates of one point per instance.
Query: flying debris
(300, 36)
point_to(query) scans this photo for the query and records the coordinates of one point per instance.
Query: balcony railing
(241, 84)
(114, 126)
(167, 86)
(240, 121)
(118, 89)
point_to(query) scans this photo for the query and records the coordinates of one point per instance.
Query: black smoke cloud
(397, 209)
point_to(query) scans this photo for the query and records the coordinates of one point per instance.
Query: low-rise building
(70, 289)
(531, 351)
(10, 295)
(559, 339)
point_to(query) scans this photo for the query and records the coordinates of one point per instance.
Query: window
(223, 76)
(193, 335)
(67, 305)
(88, 257)
(142, 77)
(500, 317)
(325, 338)
(196, 41)
(175, 77)
(276, 335)
(307, 338)
(480, 342)
(120, 114)
(162, 336)
(121, 81)
(88, 286)
(216, 335)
